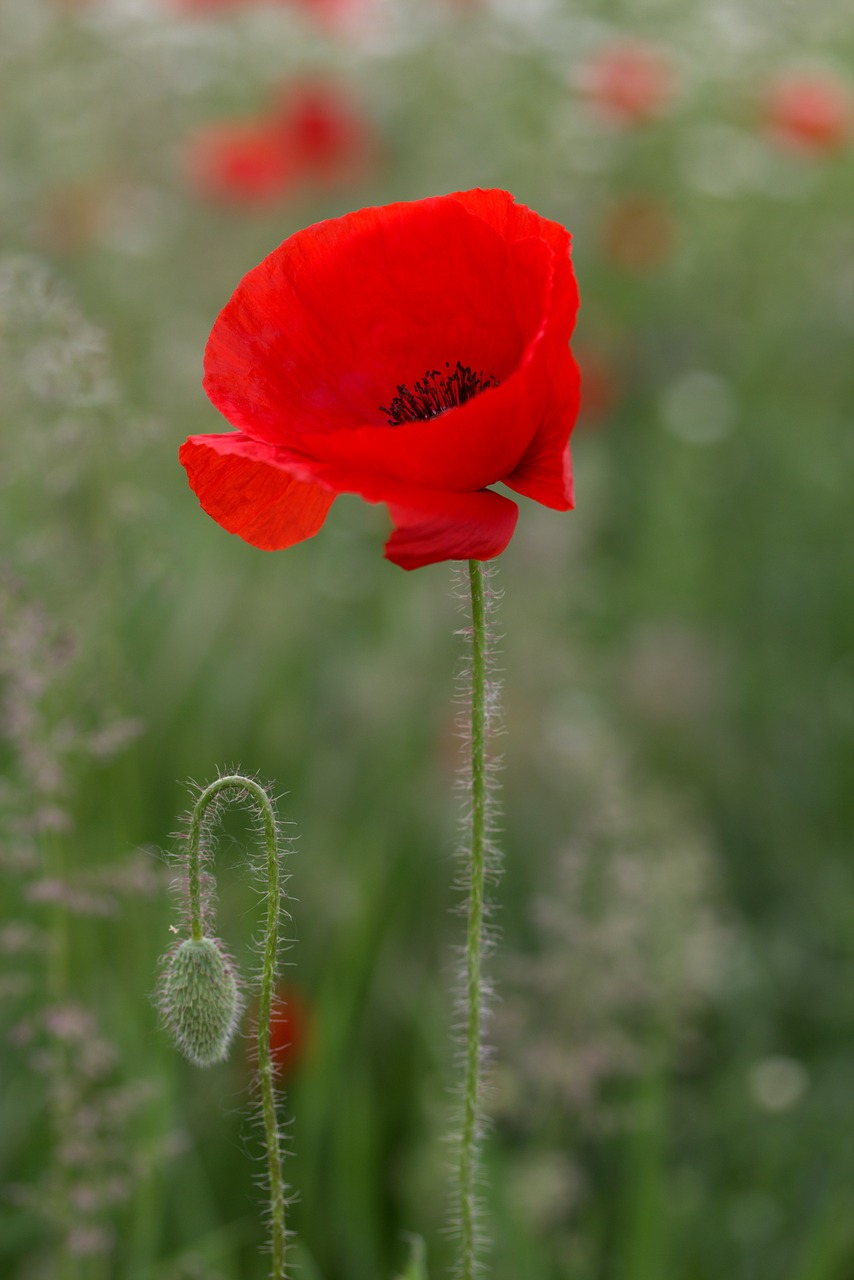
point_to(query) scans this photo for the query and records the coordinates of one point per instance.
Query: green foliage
(671, 1089)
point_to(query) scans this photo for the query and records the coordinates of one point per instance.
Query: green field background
(672, 1083)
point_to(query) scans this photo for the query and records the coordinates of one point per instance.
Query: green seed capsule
(200, 1000)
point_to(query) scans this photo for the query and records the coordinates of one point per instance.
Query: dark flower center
(435, 393)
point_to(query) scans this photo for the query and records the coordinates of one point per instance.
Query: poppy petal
(475, 444)
(545, 472)
(244, 487)
(319, 335)
(514, 222)
(414, 354)
(433, 526)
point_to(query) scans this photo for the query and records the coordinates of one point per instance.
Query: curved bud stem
(248, 788)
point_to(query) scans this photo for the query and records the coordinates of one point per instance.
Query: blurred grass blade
(830, 1244)
(417, 1266)
(302, 1263)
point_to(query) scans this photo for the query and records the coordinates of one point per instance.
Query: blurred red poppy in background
(809, 112)
(241, 163)
(413, 354)
(311, 136)
(290, 1028)
(601, 386)
(638, 233)
(327, 139)
(71, 216)
(325, 11)
(627, 82)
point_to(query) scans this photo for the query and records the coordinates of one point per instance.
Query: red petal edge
(545, 471)
(239, 484)
(435, 526)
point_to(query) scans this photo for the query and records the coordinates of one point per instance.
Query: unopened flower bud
(200, 1000)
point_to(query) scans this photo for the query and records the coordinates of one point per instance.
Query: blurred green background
(674, 1041)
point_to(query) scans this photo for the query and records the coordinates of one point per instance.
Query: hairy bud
(200, 1000)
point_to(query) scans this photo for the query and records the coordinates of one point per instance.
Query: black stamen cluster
(435, 393)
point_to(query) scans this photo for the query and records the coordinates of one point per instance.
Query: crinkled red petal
(430, 527)
(545, 472)
(321, 333)
(242, 485)
(464, 448)
(514, 222)
(431, 524)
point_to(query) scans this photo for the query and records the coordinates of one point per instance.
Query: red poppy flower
(810, 112)
(311, 135)
(327, 12)
(638, 233)
(71, 216)
(325, 137)
(601, 387)
(209, 6)
(413, 354)
(240, 163)
(289, 1030)
(628, 82)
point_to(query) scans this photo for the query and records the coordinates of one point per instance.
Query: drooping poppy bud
(200, 1000)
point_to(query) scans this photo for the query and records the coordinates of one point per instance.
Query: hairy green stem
(474, 936)
(248, 786)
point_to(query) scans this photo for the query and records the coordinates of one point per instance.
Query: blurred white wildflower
(630, 941)
(725, 162)
(45, 734)
(546, 1186)
(37, 674)
(672, 673)
(100, 1153)
(46, 341)
(75, 899)
(698, 407)
(777, 1083)
(18, 937)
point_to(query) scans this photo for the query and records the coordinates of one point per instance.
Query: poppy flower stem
(250, 790)
(477, 850)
